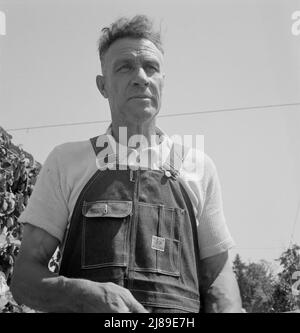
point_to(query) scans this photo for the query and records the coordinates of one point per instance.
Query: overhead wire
(247, 108)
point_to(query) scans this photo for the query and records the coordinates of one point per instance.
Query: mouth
(141, 97)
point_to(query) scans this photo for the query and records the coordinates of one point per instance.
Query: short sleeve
(47, 207)
(213, 233)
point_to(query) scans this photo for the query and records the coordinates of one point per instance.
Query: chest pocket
(158, 239)
(105, 228)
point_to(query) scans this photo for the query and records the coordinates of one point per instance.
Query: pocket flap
(107, 208)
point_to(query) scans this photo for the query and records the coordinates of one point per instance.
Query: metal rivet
(105, 209)
(167, 173)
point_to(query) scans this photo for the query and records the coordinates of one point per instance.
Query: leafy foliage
(256, 285)
(284, 300)
(18, 173)
(263, 291)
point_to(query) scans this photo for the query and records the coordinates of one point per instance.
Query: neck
(124, 133)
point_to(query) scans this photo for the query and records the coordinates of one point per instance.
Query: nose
(141, 78)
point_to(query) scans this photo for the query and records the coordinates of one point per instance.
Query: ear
(164, 79)
(100, 81)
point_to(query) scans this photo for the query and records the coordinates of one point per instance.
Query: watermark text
(2, 23)
(296, 23)
(157, 152)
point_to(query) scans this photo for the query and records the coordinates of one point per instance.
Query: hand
(109, 297)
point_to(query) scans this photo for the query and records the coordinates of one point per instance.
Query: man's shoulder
(72, 152)
(72, 147)
(199, 161)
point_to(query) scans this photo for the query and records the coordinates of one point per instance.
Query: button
(168, 174)
(132, 158)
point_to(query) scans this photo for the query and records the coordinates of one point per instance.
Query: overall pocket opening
(104, 233)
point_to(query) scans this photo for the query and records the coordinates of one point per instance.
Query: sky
(225, 54)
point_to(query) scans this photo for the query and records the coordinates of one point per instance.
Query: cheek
(118, 88)
(115, 93)
(159, 86)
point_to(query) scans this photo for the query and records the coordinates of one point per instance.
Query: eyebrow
(130, 61)
(122, 61)
(152, 61)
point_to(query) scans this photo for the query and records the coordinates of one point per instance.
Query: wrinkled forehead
(134, 49)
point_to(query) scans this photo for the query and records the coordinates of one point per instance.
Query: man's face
(133, 79)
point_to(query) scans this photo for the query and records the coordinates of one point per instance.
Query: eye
(124, 68)
(151, 68)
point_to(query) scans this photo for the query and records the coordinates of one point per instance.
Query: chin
(140, 112)
(146, 113)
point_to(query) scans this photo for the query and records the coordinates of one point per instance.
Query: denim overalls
(137, 228)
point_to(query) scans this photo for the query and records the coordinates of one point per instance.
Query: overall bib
(137, 228)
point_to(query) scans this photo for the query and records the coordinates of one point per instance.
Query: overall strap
(100, 143)
(94, 143)
(176, 157)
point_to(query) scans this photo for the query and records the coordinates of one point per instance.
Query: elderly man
(134, 236)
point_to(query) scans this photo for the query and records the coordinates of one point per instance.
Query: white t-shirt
(69, 166)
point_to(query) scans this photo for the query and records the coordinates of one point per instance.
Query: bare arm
(37, 287)
(219, 288)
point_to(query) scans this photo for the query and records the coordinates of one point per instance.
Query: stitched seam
(169, 306)
(157, 270)
(160, 293)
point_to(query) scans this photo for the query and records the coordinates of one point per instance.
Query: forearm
(38, 288)
(223, 295)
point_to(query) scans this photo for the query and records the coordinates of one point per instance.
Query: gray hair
(140, 26)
